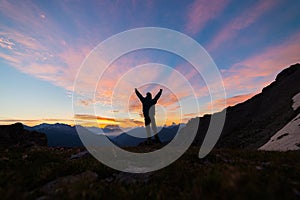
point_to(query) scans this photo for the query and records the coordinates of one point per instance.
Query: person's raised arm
(158, 95)
(139, 94)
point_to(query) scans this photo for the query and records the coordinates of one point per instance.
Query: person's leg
(153, 124)
(154, 128)
(147, 126)
(148, 131)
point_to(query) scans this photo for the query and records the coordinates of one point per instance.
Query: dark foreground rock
(56, 185)
(16, 135)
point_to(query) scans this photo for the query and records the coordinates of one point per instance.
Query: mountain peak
(287, 72)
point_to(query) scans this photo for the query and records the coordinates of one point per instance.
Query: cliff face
(15, 134)
(252, 123)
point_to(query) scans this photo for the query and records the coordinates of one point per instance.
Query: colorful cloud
(249, 41)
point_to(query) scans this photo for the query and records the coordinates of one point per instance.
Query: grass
(223, 174)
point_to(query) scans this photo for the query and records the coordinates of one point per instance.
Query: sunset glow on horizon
(44, 43)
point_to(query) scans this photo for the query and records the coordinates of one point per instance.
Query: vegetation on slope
(46, 173)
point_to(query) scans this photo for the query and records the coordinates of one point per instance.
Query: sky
(44, 43)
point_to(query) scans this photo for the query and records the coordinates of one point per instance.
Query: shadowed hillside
(252, 123)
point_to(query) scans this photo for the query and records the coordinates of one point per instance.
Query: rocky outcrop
(15, 134)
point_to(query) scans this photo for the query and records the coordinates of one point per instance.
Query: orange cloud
(130, 122)
(89, 120)
(93, 120)
(116, 88)
(93, 117)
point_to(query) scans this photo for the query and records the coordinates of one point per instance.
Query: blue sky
(43, 43)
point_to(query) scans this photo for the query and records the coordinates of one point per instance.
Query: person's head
(149, 95)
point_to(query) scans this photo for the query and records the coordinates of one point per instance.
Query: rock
(129, 178)
(79, 155)
(58, 184)
(15, 134)
(25, 156)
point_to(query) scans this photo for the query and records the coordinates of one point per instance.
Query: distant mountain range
(66, 136)
(58, 134)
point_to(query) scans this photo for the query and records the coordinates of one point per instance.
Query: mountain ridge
(253, 122)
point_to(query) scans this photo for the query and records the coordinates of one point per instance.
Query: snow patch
(296, 100)
(288, 138)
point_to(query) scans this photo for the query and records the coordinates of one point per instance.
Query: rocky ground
(58, 173)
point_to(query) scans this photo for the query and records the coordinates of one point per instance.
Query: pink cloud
(220, 104)
(5, 43)
(251, 75)
(31, 58)
(19, 40)
(254, 73)
(34, 46)
(231, 101)
(32, 27)
(22, 12)
(49, 57)
(9, 58)
(201, 12)
(246, 18)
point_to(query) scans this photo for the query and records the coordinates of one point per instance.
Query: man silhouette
(149, 112)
